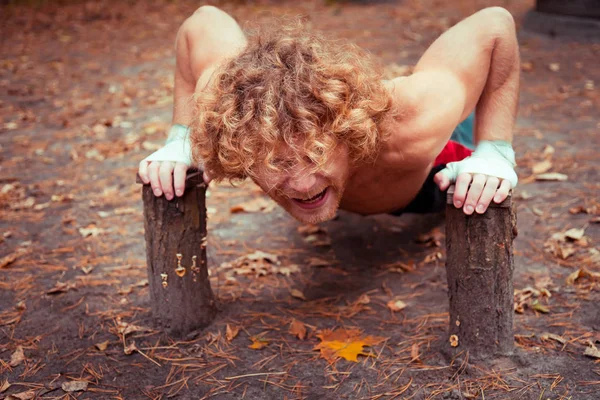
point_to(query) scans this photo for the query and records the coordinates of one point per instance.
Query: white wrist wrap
(492, 158)
(176, 149)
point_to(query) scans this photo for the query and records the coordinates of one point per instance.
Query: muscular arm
(204, 41)
(481, 53)
(474, 65)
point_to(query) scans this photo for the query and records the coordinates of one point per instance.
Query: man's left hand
(479, 195)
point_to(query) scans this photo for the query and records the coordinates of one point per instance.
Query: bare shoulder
(207, 37)
(429, 105)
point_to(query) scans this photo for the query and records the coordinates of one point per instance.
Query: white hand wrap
(492, 158)
(176, 149)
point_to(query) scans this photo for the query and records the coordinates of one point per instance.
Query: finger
(143, 171)
(441, 180)
(179, 174)
(488, 193)
(460, 191)
(153, 175)
(474, 193)
(502, 192)
(165, 174)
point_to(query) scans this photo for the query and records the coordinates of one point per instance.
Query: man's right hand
(164, 176)
(165, 169)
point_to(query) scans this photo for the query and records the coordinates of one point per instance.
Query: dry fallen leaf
(552, 176)
(575, 233)
(258, 263)
(90, 230)
(297, 294)
(396, 305)
(318, 262)
(17, 357)
(582, 273)
(258, 343)
(414, 352)
(125, 328)
(28, 395)
(125, 211)
(363, 299)
(125, 290)
(548, 336)
(565, 251)
(61, 287)
(102, 346)
(537, 306)
(87, 269)
(259, 204)
(11, 258)
(75, 386)
(319, 240)
(432, 238)
(433, 257)
(4, 386)
(20, 205)
(592, 351)
(298, 329)
(526, 66)
(231, 333)
(286, 270)
(310, 229)
(548, 151)
(400, 267)
(345, 343)
(541, 167)
(130, 348)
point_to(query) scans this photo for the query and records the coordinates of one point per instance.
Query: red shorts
(453, 151)
(430, 198)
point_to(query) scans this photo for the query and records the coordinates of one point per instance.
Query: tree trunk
(479, 269)
(180, 293)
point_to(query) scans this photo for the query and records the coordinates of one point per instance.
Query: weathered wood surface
(479, 269)
(180, 293)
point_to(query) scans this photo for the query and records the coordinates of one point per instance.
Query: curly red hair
(294, 88)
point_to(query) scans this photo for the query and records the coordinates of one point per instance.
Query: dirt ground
(85, 94)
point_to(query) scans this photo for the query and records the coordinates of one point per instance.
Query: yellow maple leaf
(345, 343)
(258, 343)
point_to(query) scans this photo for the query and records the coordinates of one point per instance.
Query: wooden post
(479, 268)
(180, 293)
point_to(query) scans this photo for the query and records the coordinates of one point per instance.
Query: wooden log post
(479, 268)
(180, 293)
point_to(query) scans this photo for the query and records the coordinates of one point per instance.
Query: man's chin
(313, 217)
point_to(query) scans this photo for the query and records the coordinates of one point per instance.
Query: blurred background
(86, 93)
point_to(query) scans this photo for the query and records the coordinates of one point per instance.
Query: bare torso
(474, 64)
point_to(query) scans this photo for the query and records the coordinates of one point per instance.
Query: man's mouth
(313, 202)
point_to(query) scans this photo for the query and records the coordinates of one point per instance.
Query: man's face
(309, 196)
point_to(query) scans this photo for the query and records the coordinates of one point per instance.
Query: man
(313, 124)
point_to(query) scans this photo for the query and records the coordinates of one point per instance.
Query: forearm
(182, 101)
(496, 109)
(185, 80)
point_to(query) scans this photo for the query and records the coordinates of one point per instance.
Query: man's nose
(302, 183)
